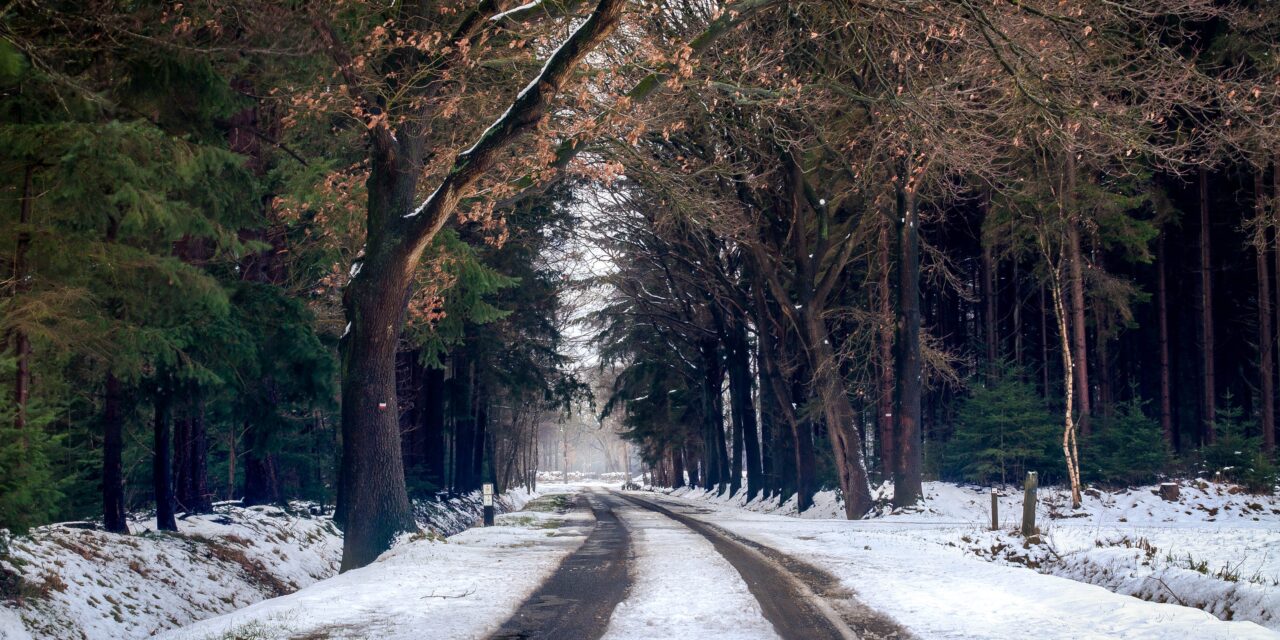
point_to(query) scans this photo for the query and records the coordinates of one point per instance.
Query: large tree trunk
(373, 491)
(113, 506)
(783, 393)
(1209, 393)
(1166, 375)
(373, 485)
(907, 489)
(1265, 364)
(161, 467)
(842, 428)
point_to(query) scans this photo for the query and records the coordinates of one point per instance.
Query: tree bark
(161, 467)
(907, 486)
(1166, 374)
(114, 512)
(1209, 393)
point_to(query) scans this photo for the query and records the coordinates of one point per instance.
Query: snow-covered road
(681, 587)
(692, 569)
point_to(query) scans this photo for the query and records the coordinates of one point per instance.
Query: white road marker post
(1029, 507)
(488, 504)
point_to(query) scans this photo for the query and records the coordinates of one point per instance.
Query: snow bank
(428, 586)
(1216, 548)
(79, 582)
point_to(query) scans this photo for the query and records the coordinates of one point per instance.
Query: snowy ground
(460, 587)
(675, 571)
(84, 583)
(1215, 549)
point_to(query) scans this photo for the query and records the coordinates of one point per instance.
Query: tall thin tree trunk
(1275, 224)
(161, 467)
(191, 479)
(113, 506)
(1209, 395)
(1069, 448)
(433, 427)
(782, 397)
(677, 467)
(1166, 375)
(713, 414)
(1079, 335)
(907, 488)
(1044, 345)
(738, 360)
(841, 426)
(885, 367)
(478, 453)
(21, 341)
(464, 423)
(1265, 364)
(990, 336)
(1017, 313)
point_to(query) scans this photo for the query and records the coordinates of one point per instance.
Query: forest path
(799, 599)
(577, 600)
(649, 571)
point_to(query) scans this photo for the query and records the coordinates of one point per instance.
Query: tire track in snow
(682, 587)
(802, 601)
(576, 601)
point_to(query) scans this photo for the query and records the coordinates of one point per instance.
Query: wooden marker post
(488, 504)
(995, 510)
(1029, 505)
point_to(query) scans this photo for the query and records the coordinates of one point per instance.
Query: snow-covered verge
(1216, 548)
(85, 583)
(459, 587)
(71, 580)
